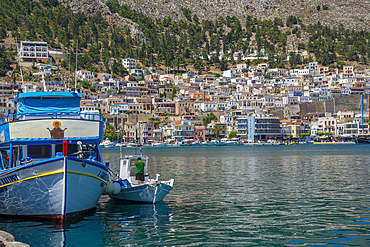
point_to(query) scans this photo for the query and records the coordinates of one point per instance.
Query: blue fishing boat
(50, 162)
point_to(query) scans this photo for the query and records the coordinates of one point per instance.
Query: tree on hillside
(4, 61)
(209, 118)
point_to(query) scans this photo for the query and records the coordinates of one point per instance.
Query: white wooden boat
(50, 162)
(233, 142)
(127, 187)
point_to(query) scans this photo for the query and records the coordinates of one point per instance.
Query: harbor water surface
(304, 195)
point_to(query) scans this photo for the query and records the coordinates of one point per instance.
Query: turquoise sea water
(306, 195)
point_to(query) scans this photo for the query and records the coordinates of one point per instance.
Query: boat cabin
(128, 171)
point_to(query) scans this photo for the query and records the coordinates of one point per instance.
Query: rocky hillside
(353, 14)
(89, 7)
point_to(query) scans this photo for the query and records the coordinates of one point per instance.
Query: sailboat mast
(362, 108)
(76, 68)
(19, 61)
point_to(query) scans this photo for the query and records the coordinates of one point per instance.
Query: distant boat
(212, 143)
(132, 145)
(196, 143)
(233, 142)
(107, 144)
(160, 144)
(221, 143)
(362, 140)
(127, 188)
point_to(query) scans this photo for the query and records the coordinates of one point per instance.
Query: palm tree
(217, 129)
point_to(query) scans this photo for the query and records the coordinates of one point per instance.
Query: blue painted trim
(11, 155)
(47, 94)
(2, 162)
(100, 156)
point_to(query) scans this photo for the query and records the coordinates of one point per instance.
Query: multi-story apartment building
(267, 127)
(314, 68)
(348, 71)
(146, 132)
(34, 51)
(129, 63)
(184, 107)
(183, 130)
(246, 128)
(85, 75)
(130, 132)
(327, 124)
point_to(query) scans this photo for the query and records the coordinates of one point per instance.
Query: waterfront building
(145, 132)
(267, 127)
(349, 129)
(327, 124)
(130, 132)
(183, 130)
(246, 128)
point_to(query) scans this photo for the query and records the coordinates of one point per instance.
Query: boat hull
(56, 189)
(362, 140)
(147, 193)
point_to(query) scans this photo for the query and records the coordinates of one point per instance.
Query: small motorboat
(212, 143)
(196, 143)
(126, 187)
(107, 144)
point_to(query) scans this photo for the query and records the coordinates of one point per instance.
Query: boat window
(5, 158)
(39, 151)
(15, 157)
(72, 149)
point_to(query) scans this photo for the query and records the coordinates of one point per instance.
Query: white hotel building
(34, 51)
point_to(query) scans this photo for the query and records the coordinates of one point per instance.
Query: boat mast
(69, 65)
(76, 69)
(19, 61)
(362, 113)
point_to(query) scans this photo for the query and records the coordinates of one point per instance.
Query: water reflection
(243, 196)
(133, 223)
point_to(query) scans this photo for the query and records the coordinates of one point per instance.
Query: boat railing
(31, 116)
